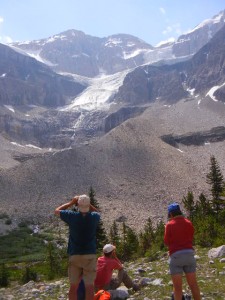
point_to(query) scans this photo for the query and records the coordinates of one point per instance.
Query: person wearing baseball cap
(178, 236)
(105, 266)
(81, 243)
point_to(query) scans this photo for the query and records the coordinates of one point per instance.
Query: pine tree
(146, 237)
(215, 179)
(189, 204)
(29, 275)
(203, 206)
(159, 235)
(114, 234)
(54, 260)
(129, 245)
(4, 276)
(94, 202)
(132, 243)
(101, 236)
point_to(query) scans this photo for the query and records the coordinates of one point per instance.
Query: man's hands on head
(66, 205)
(74, 201)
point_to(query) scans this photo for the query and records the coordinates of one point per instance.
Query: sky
(153, 21)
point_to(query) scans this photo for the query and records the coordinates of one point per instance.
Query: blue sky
(151, 20)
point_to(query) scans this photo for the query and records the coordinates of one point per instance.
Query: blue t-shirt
(82, 231)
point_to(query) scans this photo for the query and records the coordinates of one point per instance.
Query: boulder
(217, 252)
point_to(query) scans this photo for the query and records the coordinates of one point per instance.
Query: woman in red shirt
(179, 234)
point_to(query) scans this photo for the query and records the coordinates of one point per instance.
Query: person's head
(108, 249)
(174, 210)
(83, 203)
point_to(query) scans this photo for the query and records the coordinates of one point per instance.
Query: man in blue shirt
(81, 244)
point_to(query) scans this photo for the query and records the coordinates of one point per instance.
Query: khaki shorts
(82, 265)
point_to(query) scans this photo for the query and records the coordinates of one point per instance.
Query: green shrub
(3, 216)
(8, 222)
(4, 276)
(28, 275)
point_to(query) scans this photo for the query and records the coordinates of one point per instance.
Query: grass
(21, 248)
(21, 245)
(210, 280)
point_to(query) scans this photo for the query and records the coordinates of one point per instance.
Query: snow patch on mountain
(37, 56)
(98, 94)
(191, 91)
(209, 22)
(24, 146)
(111, 42)
(212, 91)
(158, 54)
(128, 55)
(55, 38)
(9, 107)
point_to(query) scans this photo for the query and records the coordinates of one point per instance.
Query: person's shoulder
(101, 258)
(187, 220)
(68, 212)
(95, 214)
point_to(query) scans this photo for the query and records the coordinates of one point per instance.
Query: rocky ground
(134, 173)
(152, 275)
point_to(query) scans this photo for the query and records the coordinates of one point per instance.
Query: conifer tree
(4, 276)
(28, 275)
(129, 245)
(101, 236)
(215, 179)
(54, 260)
(114, 234)
(132, 243)
(159, 235)
(147, 236)
(203, 206)
(189, 204)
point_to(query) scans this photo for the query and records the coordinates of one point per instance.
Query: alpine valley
(137, 123)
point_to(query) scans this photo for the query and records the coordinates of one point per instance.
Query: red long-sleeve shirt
(179, 233)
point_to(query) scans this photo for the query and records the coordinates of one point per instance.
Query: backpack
(184, 297)
(102, 295)
(81, 290)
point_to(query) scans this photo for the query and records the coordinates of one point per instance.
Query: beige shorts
(82, 265)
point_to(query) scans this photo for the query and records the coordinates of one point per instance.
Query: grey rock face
(170, 83)
(216, 134)
(75, 52)
(26, 81)
(190, 43)
(207, 68)
(123, 114)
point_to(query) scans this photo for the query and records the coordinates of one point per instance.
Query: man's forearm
(92, 208)
(66, 205)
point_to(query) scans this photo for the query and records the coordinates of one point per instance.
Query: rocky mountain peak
(116, 148)
(189, 43)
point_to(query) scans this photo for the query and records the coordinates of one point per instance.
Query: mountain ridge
(115, 144)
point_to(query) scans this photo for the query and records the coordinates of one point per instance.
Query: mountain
(29, 90)
(141, 137)
(24, 80)
(171, 83)
(189, 43)
(75, 52)
(207, 68)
